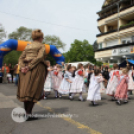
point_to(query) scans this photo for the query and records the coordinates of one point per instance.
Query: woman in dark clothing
(74, 70)
(105, 74)
(1, 75)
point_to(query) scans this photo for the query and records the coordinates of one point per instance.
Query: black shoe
(129, 98)
(31, 118)
(125, 101)
(113, 99)
(92, 103)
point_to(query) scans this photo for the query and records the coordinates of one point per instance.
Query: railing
(101, 34)
(113, 47)
(107, 15)
(122, 9)
(124, 27)
(111, 3)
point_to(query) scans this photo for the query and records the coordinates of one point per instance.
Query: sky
(68, 19)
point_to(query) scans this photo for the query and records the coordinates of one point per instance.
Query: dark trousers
(0, 79)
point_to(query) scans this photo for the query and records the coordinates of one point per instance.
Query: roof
(83, 62)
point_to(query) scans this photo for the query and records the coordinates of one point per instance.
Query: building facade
(116, 26)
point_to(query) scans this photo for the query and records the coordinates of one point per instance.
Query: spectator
(1, 75)
(16, 72)
(5, 70)
(105, 74)
(11, 71)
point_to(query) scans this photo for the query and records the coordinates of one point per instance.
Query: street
(107, 118)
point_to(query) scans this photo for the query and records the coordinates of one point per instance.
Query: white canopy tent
(83, 62)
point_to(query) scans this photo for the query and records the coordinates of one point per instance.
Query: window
(129, 41)
(100, 46)
(123, 41)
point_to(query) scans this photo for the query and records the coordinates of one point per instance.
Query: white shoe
(71, 97)
(45, 98)
(80, 98)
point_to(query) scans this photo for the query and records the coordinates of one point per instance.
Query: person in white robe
(94, 87)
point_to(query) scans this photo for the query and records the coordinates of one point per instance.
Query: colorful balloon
(19, 45)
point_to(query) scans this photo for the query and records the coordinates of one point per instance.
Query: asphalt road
(107, 118)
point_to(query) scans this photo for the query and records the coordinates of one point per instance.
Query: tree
(12, 57)
(80, 51)
(2, 33)
(54, 40)
(22, 33)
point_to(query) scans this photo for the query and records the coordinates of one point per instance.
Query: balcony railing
(122, 9)
(107, 15)
(127, 26)
(111, 3)
(101, 34)
(115, 46)
(121, 28)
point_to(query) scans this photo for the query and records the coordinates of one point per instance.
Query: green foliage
(24, 33)
(80, 51)
(51, 59)
(12, 57)
(21, 33)
(130, 23)
(2, 33)
(54, 40)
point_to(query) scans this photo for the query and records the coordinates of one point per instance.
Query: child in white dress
(57, 79)
(130, 82)
(66, 82)
(113, 81)
(94, 87)
(48, 81)
(78, 82)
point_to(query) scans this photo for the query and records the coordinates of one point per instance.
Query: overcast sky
(68, 19)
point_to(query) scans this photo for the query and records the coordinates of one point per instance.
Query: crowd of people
(69, 80)
(37, 78)
(9, 73)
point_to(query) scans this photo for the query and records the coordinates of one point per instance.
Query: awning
(124, 63)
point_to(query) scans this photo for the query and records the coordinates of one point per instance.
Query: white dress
(94, 88)
(113, 82)
(130, 81)
(77, 85)
(56, 80)
(65, 85)
(102, 87)
(48, 82)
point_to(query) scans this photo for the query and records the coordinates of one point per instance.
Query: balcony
(101, 34)
(123, 6)
(107, 15)
(126, 7)
(110, 4)
(131, 24)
